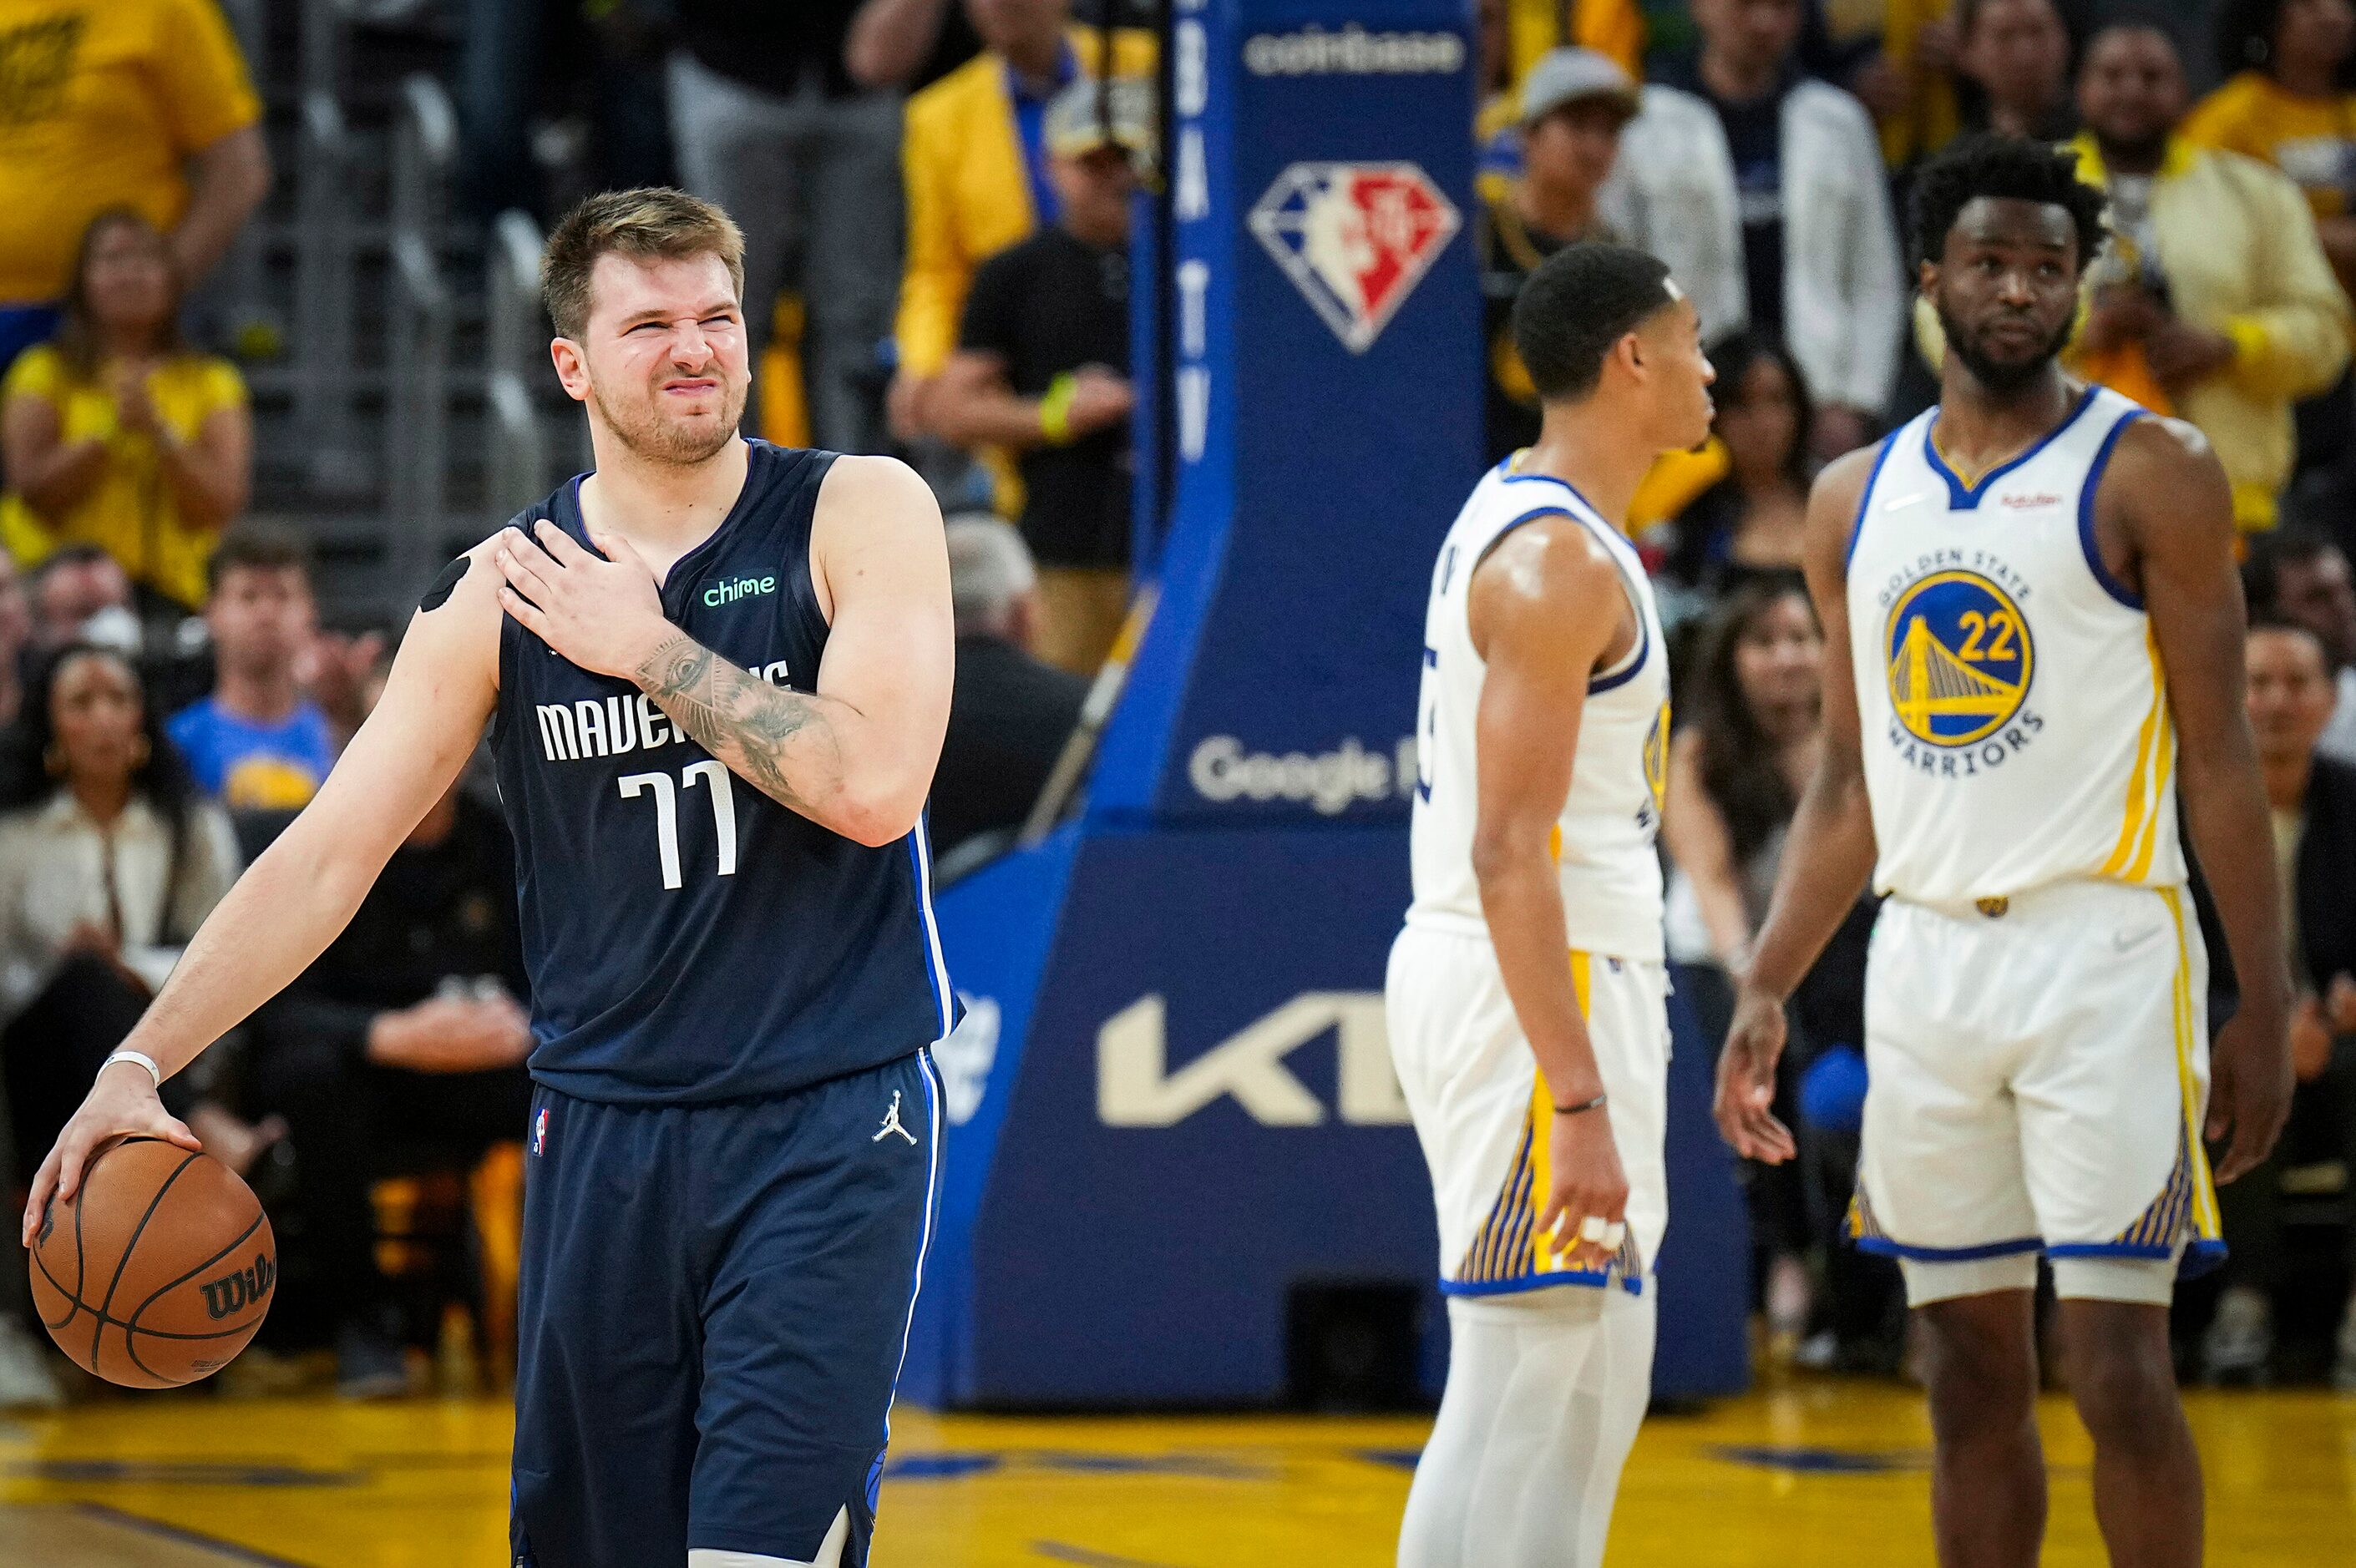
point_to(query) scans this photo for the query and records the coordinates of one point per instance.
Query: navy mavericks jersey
(688, 939)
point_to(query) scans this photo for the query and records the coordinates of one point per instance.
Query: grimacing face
(663, 360)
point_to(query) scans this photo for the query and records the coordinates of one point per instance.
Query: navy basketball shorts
(713, 1310)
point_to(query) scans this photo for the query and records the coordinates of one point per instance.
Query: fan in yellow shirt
(115, 434)
(2287, 105)
(138, 103)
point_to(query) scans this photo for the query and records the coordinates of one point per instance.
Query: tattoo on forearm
(745, 721)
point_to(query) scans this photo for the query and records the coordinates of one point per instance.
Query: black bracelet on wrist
(1594, 1105)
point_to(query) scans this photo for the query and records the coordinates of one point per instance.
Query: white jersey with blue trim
(1604, 840)
(2010, 696)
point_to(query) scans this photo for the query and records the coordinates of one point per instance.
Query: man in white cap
(1574, 103)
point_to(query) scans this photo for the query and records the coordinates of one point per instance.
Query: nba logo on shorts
(539, 1132)
(1354, 239)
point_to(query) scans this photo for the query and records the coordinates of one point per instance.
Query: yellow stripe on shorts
(1505, 1246)
(2206, 1223)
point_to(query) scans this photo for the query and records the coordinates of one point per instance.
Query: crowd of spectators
(137, 777)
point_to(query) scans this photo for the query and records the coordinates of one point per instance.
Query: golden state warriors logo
(1959, 658)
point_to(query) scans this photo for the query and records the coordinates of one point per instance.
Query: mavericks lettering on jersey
(591, 728)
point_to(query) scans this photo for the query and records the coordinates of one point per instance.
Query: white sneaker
(25, 1380)
(2240, 1340)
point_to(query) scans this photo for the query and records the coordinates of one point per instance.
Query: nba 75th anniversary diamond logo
(1355, 239)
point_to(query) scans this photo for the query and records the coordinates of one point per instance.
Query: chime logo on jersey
(1959, 659)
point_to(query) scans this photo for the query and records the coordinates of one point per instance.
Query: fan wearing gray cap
(1042, 368)
(1574, 103)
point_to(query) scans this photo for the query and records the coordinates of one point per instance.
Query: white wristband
(139, 1057)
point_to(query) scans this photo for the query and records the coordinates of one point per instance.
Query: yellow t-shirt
(2312, 140)
(131, 512)
(100, 102)
(1614, 28)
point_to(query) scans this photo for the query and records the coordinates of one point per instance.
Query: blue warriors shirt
(254, 767)
(688, 939)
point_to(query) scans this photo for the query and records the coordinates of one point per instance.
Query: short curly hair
(2008, 168)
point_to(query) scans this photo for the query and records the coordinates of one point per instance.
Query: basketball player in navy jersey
(717, 673)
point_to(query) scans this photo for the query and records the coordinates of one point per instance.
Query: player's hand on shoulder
(1746, 1079)
(122, 1101)
(601, 608)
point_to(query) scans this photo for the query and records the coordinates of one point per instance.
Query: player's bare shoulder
(877, 520)
(2158, 453)
(1552, 571)
(2163, 493)
(1839, 489)
(861, 494)
(456, 627)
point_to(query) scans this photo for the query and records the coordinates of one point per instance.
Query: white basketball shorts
(2038, 1069)
(1484, 1114)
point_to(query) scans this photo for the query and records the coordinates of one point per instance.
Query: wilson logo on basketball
(233, 1292)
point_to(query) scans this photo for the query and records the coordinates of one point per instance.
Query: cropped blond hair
(647, 224)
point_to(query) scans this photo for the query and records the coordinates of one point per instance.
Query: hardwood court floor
(1814, 1472)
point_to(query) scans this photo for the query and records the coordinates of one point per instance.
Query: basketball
(160, 1270)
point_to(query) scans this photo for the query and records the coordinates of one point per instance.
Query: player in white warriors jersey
(2032, 588)
(1526, 993)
